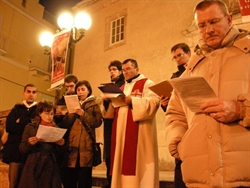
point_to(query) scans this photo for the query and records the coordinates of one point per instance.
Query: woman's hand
(60, 142)
(80, 112)
(33, 140)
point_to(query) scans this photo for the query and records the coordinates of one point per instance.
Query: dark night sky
(56, 6)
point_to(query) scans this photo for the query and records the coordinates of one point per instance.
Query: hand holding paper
(113, 92)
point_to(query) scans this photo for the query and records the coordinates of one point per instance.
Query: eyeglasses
(178, 56)
(49, 113)
(113, 69)
(127, 69)
(212, 23)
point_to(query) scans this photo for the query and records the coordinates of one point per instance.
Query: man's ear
(230, 19)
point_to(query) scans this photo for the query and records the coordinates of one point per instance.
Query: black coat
(108, 125)
(15, 129)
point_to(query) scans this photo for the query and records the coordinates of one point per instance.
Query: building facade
(144, 30)
(21, 56)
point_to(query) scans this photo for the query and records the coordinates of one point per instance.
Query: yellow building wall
(20, 28)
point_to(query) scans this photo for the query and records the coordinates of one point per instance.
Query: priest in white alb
(134, 149)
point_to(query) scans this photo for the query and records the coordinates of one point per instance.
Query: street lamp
(77, 27)
(80, 23)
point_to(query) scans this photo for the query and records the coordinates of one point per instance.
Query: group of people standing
(211, 147)
(66, 162)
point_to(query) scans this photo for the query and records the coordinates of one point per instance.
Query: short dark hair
(70, 78)
(207, 3)
(183, 46)
(133, 61)
(43, 106)
(28, 85)
(116, 64)
(85, 83)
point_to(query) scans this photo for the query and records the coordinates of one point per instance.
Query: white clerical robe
(143, 111)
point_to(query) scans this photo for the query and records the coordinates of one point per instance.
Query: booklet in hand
(72, 103)
(110, 88)
(114, 93)
(163, 88)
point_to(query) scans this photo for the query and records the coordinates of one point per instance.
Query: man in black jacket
(181, 55)
(18, 118)
(70, 81)
(116, 76)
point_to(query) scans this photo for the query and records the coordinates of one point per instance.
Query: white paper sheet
(193, 90)
(72, 103)
(49, 134)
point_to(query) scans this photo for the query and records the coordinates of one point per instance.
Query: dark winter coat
(15, 129)
(181, 69)
(41, 169)
(79, 143)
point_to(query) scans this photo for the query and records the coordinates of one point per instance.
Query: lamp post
(77, 26)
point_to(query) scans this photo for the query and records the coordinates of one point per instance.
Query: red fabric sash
(131, 135)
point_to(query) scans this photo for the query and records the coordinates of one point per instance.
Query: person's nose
(209, 28)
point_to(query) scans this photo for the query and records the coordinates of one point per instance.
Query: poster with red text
(245, 10)
(59, 56)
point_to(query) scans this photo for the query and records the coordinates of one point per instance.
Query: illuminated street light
(79, 24)
(77, 27)
(46, 39)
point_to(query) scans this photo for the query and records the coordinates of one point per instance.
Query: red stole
(131, 135)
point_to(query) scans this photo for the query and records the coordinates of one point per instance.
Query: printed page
(193, 90)
(49, 134)
(163, 88)
(72, 103)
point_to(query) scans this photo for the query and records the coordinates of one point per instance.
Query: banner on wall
(59, 51)
(245, 10)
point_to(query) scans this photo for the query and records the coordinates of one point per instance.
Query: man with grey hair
(214, 143)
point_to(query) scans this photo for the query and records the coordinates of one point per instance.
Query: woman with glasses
(41, 169)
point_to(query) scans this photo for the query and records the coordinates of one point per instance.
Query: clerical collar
(130, 79)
